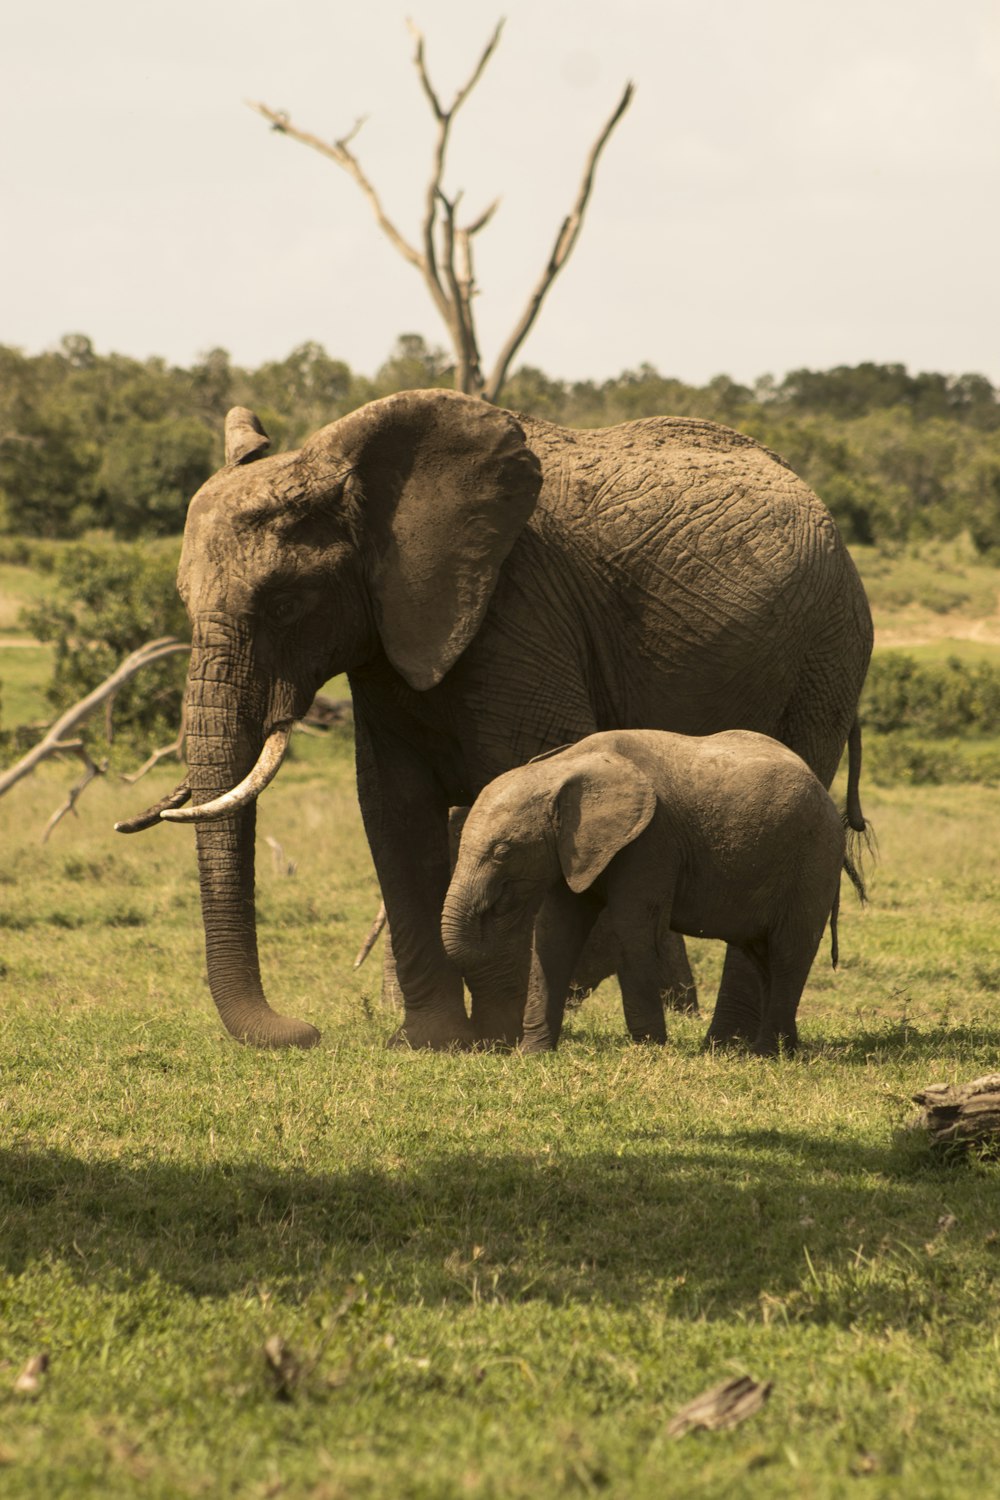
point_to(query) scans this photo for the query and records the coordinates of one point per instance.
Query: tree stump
(960, 1115)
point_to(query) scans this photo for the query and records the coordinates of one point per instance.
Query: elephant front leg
(563, 925)
(497, 991)
(639, 906)
(406, 820)
(642, 1001)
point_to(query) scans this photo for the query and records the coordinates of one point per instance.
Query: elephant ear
(603, 803)
(245, 437)
(446, 484)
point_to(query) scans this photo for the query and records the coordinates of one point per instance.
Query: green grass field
(495, 1275)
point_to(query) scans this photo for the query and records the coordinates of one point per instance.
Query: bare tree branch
(174, 748)
(561, 251)
(338, 151)
(282, 866)
(91, 771)
(469, 376)
(447, 267)
(372, 938)
(482, 221)
(466, 89)
(55, 739)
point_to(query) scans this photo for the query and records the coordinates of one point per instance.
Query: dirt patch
(928, 630)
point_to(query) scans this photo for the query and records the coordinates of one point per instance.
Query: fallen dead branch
(56, 742)
(92, 769)
(372, 938)
(174, 748)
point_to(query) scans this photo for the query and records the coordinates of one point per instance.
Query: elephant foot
(497, 1026)
(733, 1026)
(497, 1038)
(775, 1046)
(723, 1040)
(494, 1044)
(434, 1034)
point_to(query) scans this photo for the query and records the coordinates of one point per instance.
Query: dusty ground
(920, 627)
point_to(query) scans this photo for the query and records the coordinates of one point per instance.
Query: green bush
(909, 760)
(108, 599)
(936, 699)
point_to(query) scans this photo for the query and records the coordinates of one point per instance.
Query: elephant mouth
(247, 791)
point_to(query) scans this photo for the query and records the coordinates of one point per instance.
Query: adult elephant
(494, 586)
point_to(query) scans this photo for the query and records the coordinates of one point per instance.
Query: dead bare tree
(444, 255)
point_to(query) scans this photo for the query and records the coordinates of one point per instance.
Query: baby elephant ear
(245, 437)
(603, 803)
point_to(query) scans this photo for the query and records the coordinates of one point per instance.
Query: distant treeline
(105, 442)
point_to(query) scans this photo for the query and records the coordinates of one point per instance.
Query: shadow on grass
(710, 1227)
(912, 1040)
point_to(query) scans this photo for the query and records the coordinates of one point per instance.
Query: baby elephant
(729, 836)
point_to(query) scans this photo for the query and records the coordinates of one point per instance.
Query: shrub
(936, 699)
(907, 759)
(109, 598)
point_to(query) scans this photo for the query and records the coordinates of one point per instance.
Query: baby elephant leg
(640, 916)
(642, 1001)
(677, 984)
(789, 958)
(561, 929)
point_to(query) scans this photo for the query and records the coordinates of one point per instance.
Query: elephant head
(385, 533)
(562, 817)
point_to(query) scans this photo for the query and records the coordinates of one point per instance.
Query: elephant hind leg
(738, 1009)
(790, 954)
(677, 986)
(820, 720)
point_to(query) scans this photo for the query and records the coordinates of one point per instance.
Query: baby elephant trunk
(494, 962)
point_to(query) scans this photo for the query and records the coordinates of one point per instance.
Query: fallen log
(957, 1116)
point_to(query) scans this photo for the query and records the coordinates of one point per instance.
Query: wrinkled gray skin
(600, 958)
(729, 836)
(495, 587)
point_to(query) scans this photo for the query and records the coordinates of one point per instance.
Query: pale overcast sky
(797, 182)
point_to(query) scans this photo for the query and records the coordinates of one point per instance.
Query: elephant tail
(854, 818)
(860, 835)
(857, 844)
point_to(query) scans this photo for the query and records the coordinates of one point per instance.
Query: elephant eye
(500, 851)
(283, 609)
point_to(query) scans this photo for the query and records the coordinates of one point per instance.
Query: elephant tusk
(177, 798)
(249, 788)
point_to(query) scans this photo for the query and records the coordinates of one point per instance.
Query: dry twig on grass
(372, 938)
(721, 1406)
(29, 1382)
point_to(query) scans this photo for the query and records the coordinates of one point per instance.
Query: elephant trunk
(494, 961)
(221, 750)
(464, 934)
